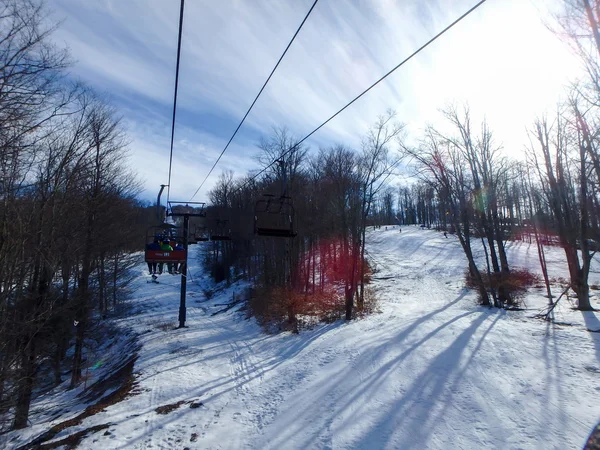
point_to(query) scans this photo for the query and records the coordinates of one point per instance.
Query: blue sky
(502, 60)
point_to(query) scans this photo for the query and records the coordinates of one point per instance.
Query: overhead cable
(255, 99)
(364, 92)
(175, 97)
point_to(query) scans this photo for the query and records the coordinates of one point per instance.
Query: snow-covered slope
(431, 371)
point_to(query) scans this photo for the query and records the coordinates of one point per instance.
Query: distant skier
(446, 235)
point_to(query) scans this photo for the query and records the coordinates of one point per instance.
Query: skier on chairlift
(178, 267)
(152, 265)
(166, 247)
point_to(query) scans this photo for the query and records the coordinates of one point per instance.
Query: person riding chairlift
(152, 265)
(166, 247)
(178, 266)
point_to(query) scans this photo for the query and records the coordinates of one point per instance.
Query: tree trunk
(25, 382)
(102, 301)
(497, 304)
(115, 279)
(464, 240)
(583, 289)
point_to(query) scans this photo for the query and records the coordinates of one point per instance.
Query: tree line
(70, 220)
(69, 216)
(551, 195)
(466, 185)
(322, 271)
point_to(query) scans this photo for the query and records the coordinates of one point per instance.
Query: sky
(502, 60)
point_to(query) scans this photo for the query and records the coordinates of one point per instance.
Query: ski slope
(431, 370)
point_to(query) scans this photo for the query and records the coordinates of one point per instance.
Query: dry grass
(274, 306)
(516, 283)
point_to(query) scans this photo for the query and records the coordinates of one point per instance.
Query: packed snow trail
(432, 370)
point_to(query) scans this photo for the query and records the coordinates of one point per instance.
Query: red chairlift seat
(165, 256)
(274, 217)
(161, 233)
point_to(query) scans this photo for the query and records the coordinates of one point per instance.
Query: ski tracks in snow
(432, 370)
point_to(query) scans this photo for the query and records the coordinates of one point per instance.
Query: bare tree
(488, 171)
(30, 98)
(376, 166)
(443, 166)
(578, 26)
(561, 149)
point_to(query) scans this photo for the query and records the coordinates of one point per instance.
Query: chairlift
(166, 231)
(187, 210)
(274, 217)
(221, 231)
(200, 234)
(163, 233)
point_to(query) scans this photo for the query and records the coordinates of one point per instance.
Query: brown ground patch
(72, 441)
(122, 377)
(166, 409)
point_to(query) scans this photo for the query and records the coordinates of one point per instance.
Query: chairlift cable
(256, 98)
(364, 92)
(175, 97)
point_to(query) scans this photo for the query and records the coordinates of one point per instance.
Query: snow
(431, 370)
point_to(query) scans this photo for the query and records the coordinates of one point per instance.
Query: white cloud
(502, 60)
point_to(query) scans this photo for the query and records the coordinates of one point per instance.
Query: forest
(72, 224)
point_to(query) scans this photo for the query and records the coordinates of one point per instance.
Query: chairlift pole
(158, 214)
(186, 227)
(182, 308)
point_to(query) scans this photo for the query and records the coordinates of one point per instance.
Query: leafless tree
(376, 165)
(443, 166)
(559, 158)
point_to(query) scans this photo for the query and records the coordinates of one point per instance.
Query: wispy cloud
(502, 60)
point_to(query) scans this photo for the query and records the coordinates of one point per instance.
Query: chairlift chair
(161, 233)
(221, 232)
(274, 217)
(200, 234)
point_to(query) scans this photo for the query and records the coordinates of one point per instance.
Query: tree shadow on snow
(593, 326)
(210, 391)
(554, 416)
(415, 412)
(408, 412)
(251, 369)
